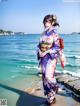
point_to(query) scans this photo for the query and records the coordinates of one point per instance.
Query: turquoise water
(19, 65)
(18, 55)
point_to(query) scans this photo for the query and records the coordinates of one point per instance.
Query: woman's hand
(42, 54)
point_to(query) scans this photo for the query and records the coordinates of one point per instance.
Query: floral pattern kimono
(48, 63)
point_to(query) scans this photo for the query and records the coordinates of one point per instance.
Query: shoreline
(34, 96)
(64, 95)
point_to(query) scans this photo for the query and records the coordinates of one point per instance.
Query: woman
(49, 50)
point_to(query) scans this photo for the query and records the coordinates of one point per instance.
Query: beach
(34, 96)
(22, 25)
(19, 68)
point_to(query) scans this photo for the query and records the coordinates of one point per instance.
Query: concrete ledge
(70, 82)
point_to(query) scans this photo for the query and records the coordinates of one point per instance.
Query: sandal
(52, 102)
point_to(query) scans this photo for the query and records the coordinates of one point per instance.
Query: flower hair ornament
(54, 17)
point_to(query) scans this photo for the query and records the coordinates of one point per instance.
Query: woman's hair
(52, 19)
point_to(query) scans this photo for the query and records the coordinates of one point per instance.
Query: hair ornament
(54, 17)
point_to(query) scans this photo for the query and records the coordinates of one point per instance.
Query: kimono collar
(53, 31)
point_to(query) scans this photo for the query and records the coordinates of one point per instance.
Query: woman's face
(48, 25)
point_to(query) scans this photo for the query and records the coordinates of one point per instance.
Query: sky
(27, 15)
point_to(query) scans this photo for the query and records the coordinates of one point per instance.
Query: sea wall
(70, 82)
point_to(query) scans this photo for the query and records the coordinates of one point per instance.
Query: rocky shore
(70, 82)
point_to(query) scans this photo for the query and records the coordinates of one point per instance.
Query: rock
(70, 82)
(76, 86)
(64, 78)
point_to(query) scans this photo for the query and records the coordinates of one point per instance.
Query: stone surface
(71, 82)
(66, 78)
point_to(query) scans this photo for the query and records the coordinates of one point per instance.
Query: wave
(77, 74)
(72, 56)
(74, 51)
(38, 68)
(71, 65)
(32, 67)
(24, 61)
(73, 42)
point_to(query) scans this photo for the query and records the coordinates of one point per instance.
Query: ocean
(18, 55)
(18, 60)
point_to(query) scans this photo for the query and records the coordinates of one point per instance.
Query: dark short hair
(51, 19)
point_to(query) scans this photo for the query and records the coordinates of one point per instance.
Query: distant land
(75, 33)
(8, 32)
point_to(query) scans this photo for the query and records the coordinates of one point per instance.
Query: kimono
(49, 61)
